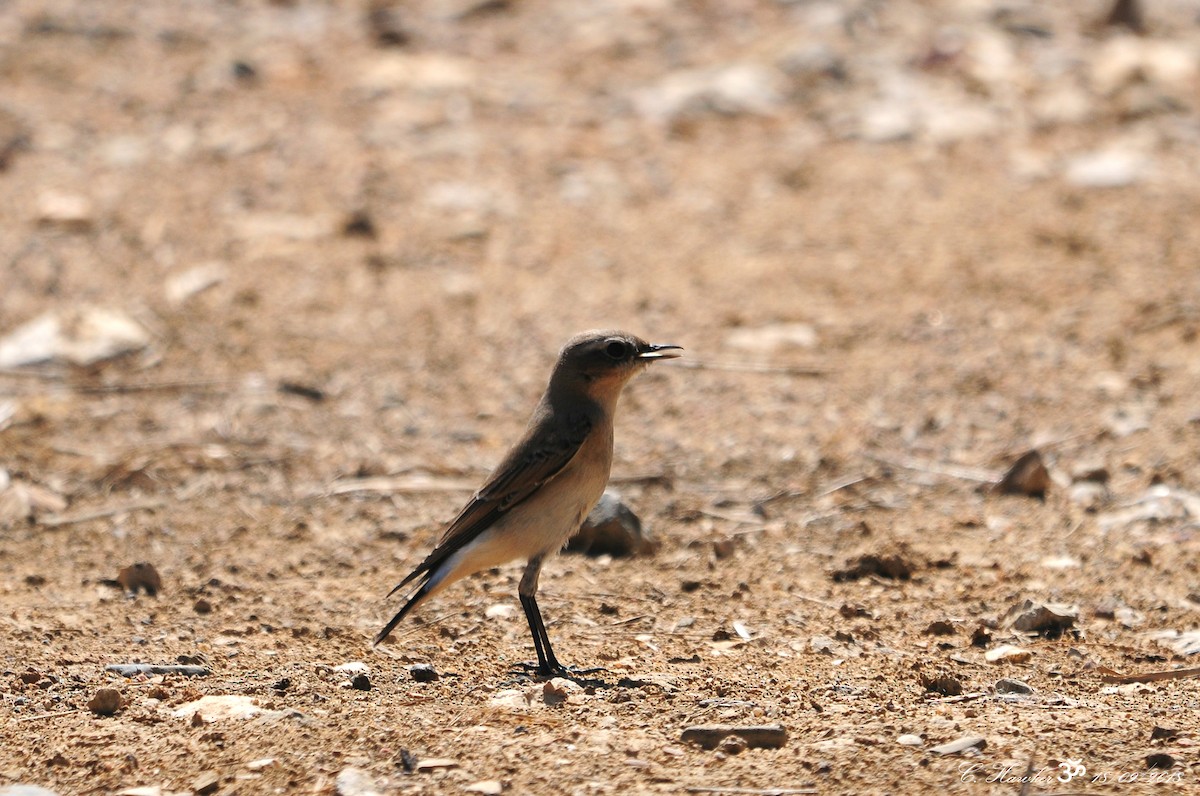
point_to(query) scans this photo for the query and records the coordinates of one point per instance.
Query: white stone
(82, 336)
(182, 286)
(224, 706)
(70, 210)
(733, 89)
(1007, 653)
(429, 73)
(352, 667)
(1112, 168)
(352, 781)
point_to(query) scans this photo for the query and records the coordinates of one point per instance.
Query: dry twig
(99, 514)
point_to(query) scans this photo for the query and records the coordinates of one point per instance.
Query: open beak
(660, 352)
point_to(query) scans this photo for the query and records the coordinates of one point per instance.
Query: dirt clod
(1046, 619)
(141, 576)
(423, 672)
(893, 566)
(1027, 476)
(612, 529)
(106, 702)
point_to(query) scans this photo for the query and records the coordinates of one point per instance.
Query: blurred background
(255, 254)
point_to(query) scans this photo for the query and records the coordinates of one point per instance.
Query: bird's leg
(527, 590)
(547, 665)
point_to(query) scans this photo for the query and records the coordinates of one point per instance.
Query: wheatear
(539, 495)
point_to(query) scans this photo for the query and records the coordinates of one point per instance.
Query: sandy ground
(901, 243)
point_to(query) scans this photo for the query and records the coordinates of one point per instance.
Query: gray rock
(612, 529)
(1010, 686)
(1047, 619)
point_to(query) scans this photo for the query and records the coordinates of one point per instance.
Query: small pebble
(1160, 760)
(910, 740)
(1047, 619)
(361, 682)
(352, 667)
(1010, 686)
(612, 529)
(434, 763)
(490, 787)
(353, 781)
(68, 211)
(556, 690)
(206, 783)
(1027, 476)
(140, 576)
(423, 672)
(106, 702)
(1008, 654)
(960, 745)
(733, 745)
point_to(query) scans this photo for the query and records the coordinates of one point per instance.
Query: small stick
(815, 601)
(845, 484)
(56, 521)
(960, 698)
(750, 791)
(745, 519)
(630, 620)
(1152, 677)
(748, 367)
(150, 386)
(131, 669)
(783, 494)
(101, 389)
(965, 473)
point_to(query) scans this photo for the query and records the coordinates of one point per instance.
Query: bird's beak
(660, 352)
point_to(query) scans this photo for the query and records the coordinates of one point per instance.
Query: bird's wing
(523, 470)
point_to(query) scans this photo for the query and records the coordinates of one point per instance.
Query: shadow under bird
(539, 495)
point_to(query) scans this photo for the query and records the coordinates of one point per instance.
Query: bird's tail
(419, 595)
(430, 579)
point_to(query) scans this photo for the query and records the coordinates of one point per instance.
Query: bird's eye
(617, 349)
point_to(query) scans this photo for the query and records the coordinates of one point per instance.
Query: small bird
(539, 495)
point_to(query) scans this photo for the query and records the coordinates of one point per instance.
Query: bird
(539, 494)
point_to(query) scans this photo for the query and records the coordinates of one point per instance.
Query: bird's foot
(546, 670)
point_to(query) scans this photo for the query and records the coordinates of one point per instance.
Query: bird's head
(602, 362)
